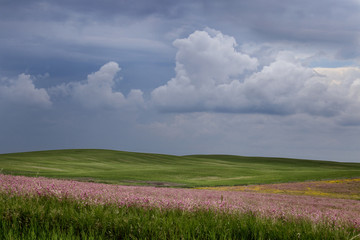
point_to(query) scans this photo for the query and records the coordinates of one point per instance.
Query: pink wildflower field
(336, 212)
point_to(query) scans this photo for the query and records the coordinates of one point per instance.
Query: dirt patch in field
(155, 183)
(129, 182)
(85, 179)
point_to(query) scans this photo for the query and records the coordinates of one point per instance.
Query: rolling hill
(132, 168)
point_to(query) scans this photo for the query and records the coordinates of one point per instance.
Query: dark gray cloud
(164, 8)
(318, 25)
(104, 10)
(309, 21)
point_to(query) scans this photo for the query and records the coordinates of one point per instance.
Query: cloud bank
(212, 75)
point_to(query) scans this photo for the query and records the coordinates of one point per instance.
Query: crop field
(130, 168)
(66, 194)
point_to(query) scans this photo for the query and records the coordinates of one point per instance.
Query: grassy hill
(168, 170)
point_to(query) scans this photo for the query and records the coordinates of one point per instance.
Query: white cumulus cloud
(21, 91)
(205, 60)
(98, 90)
(212, 75)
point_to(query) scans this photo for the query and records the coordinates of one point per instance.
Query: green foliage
(51, 218)
(168, 170)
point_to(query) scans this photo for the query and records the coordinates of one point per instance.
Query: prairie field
(56, 195)
(129, 168)
(43, 208)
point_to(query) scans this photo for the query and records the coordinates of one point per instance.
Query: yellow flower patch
(339, 188)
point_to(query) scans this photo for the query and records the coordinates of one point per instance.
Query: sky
(272, 78)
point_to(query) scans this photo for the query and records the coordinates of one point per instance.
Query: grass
(167, 170)
(36, 217)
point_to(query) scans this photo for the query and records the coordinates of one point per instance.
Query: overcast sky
(252, 77)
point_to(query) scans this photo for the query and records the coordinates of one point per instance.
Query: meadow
(129, 168)
(65, 194)
(42, 208)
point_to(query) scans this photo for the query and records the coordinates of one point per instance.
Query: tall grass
(47, 217)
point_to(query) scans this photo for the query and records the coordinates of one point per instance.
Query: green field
(167, 170)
